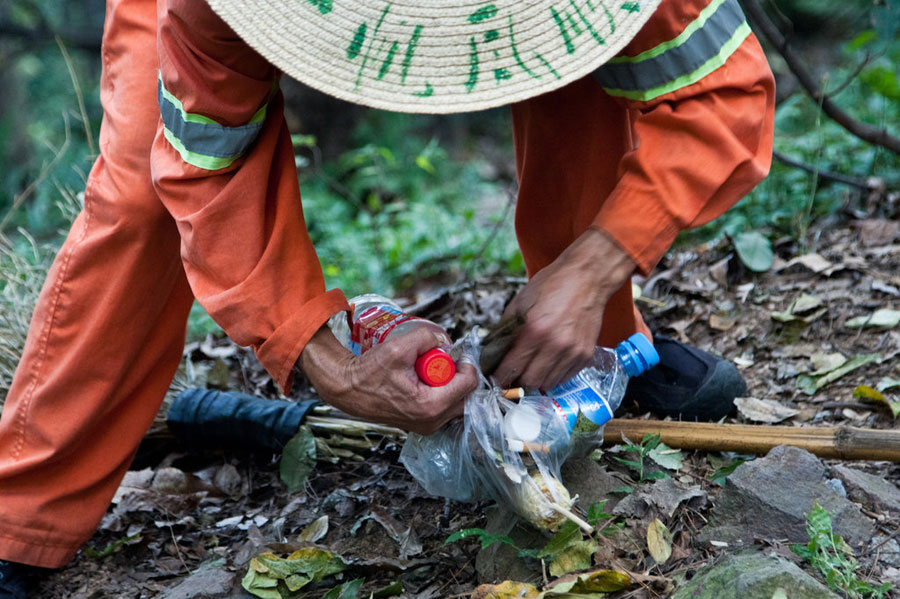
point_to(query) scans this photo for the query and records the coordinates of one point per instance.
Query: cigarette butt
(514, 393)
(532, 447)
(527, 446)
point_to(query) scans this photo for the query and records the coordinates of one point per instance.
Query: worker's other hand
(382, 386)
(563, 306)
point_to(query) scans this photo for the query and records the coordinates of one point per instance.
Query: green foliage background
(404, 202)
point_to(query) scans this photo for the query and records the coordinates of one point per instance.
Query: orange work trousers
(107, 334)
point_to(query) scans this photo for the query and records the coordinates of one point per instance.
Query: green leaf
(650, 442)
(659, 475)
(819, 520)
(424, 163)
(576, 556)
(626, 489)
(595, 513)
(665, 456)
(721, 473)
(298, 459)
(863, 39)
(391, 590)
(755, 251)
(802, 550)
(487, 538)
(810, 385)
(567, 534)
(348, 590)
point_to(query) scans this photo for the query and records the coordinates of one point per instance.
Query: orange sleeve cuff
(279, 353)
(639, 224)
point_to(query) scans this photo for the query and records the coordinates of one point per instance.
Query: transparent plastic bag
(474, 458)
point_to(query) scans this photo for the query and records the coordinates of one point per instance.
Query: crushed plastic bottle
(375, 319)
(584, 403)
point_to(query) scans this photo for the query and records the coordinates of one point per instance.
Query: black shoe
(12, 580)
(688, 383)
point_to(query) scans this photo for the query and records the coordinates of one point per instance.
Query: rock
(883, 551)
(768, 498)
(589, 480)
(500, 561)
(752, 576)
(664, 496)
(873, 492)
(204, 584)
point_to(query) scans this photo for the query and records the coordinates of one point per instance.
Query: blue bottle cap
(637, 355)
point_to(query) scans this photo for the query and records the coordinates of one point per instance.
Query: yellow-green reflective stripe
(210, 163)
(674, 42)
(701, 41)
(200, 140)
(708, 67)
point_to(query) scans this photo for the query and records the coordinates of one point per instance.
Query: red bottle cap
(435, 367)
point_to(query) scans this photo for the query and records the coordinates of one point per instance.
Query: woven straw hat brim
(435, 56)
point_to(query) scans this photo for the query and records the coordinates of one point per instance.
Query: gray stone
(209, 583)
(752, 576)
(592, 482)
(871, 491)
(769, 498)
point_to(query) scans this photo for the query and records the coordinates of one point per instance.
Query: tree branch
(860, 183)
(864, 131)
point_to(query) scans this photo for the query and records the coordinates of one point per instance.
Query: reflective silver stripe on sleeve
(667, 67)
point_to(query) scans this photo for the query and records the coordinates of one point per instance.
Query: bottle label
(578, 395)
(374, 324)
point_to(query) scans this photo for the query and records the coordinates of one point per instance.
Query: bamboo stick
(844, 442)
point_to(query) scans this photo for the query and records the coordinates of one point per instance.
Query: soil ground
(219, 509)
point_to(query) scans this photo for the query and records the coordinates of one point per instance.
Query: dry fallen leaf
(508, 589)
(315, 531)
(659, 541)
(885, 317)
(763, 410)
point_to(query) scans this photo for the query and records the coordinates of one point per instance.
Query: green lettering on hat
(386, 65)
(356, 43)
(410, 50)
(473, 65)
(483, 14)
(428, 91)
(573, 23)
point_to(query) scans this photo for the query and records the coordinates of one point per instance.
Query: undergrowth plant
(397, 209)
(568, 538)
(642, 453)
(828, 553)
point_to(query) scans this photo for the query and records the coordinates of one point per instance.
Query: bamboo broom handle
(843, 442)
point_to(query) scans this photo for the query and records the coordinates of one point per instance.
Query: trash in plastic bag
(476, 458)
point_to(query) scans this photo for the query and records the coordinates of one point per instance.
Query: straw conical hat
(436, 56)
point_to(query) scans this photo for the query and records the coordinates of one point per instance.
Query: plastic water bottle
(584, 403)
(375, 319)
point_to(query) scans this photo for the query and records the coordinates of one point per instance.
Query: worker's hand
(563, 306)
(382, 386)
